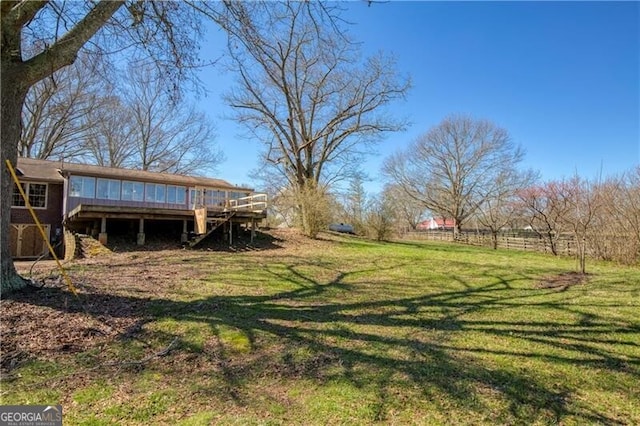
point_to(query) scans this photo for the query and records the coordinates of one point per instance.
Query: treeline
(602, 215)
(465, 171)
(93, 112)
(598, 218)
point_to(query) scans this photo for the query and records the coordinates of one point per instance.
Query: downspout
(65, 189)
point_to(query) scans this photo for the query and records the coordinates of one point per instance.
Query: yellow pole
(40, 228)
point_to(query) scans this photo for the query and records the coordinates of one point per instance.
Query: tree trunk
(552, 243)
(312, 206)
(13, 95)
(456, 227)
(16, 77)
(582, 254)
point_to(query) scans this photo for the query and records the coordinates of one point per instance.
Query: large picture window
(154, 192)
(82, 186)
(108, 189)
(214, 197)
(176, 194)
(132, 191)
(36, 193)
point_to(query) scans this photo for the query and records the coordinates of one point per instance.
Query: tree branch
(63, 52)
(16, 14)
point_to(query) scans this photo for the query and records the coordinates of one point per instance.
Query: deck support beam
(141, 236)
(253, 229)
(102, 236)
(185, 235)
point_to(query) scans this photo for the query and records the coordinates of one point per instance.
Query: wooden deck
(88, 211)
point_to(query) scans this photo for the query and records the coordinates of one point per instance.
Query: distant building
(436, 224)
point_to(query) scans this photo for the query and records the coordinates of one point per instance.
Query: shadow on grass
(389, 343)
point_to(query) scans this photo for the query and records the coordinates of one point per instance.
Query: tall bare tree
(56, 32)
(55, 112)
(110, 140)
(303, 90)
(167, 136)
(452, 168)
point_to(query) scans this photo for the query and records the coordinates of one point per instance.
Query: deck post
(253, 229)
(141, 232)
(230, 233)
(185, 235)
(102, 236)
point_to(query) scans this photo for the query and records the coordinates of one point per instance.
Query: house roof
(40, 170)
(439, 222)
(53, 171)
(444, 222)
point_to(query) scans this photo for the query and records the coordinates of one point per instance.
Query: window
(235, 195)
(132, 191)
(154, 192)
(215, 197)
(17, 199)
(36, 193)
(82, 186)
(108, 189)
(176, 194)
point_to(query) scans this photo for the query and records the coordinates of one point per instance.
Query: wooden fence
(511, 241)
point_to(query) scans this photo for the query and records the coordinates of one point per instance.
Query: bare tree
(584, 201)
(55, 112)
(304, 92)
(502, 207)
(354, 204)
(143, 127)
(56, 32)
(110, 139)
(452, 168)
(618, 219)
(547, 207)
(380, 218)
(565, 207)
(408, 211)
(627, 208)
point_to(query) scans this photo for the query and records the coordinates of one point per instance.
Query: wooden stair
(219, 221)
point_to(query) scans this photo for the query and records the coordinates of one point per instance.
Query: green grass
(358, 332)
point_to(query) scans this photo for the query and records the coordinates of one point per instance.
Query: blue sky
(561, 77)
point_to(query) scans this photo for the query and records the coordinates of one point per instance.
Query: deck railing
(254, 202)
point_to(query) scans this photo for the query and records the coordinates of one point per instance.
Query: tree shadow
(386, 343)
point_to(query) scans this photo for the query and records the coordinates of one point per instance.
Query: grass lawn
(340, 331)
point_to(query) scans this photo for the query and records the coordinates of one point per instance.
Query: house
(437, 223)
(93, 199)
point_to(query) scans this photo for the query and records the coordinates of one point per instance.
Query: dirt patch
(114, 289)
(562, 282)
